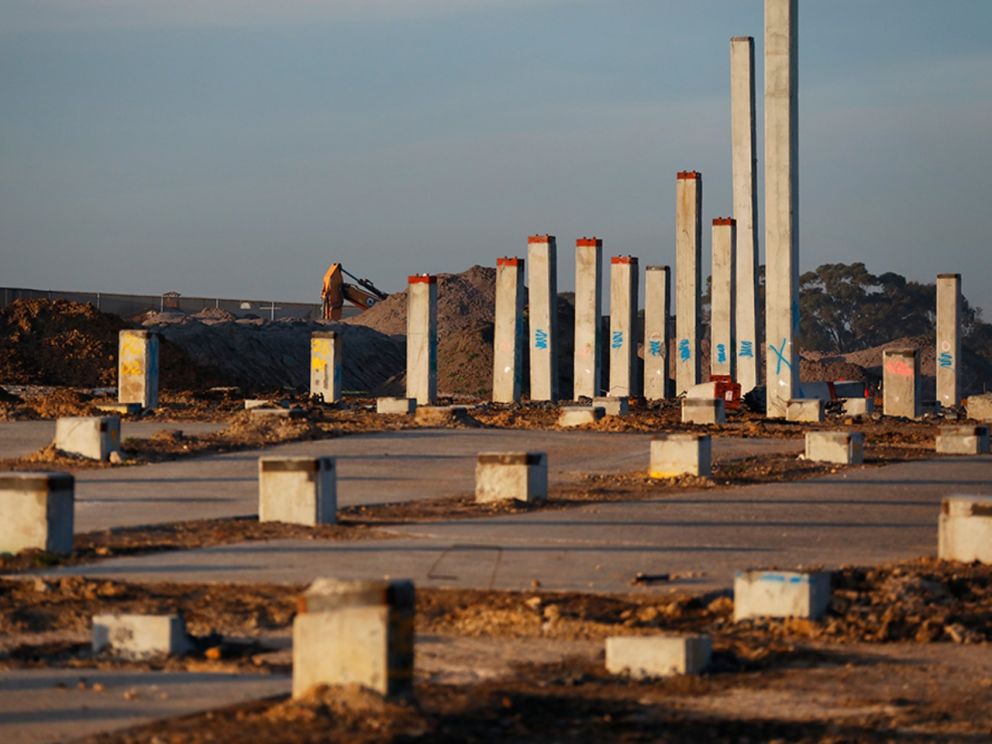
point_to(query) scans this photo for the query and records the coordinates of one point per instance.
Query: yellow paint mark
(662, 476)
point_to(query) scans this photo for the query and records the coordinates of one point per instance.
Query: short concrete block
(140, 636)
(806, 411)
(643, 657)
(963, 440)
(37, 511)
(396, 406)
(440, 415)
(673, 455)
(297, 490)
(839, 447)
(579, 415)
(93, 437)
(253, 403)
(703, 411)
(612, 406)
(858, 406)
(979, 407)
(511, 476)
(965, 529)
(760, 593)
(357, 632)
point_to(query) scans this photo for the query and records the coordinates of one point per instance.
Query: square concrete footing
(703, 411)
(643, 657)
(511, 476)
(396, 406)
(121, 409)
(963, 440)
(612, 406)
(858, 406)
(839, 447)
(673, 455)
(37, 511)
(804, 410)
(297, 490)
(140, 636)
(979, 407)
(93, 437)
(579, 415)
(760, 593)
(965, 529)
(357, 632)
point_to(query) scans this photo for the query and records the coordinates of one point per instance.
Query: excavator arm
(364, 294)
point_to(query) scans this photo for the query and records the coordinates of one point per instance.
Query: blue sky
(235, 148)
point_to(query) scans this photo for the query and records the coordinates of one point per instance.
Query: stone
(579, 415)
(93, 437)
(703, 411)
(643, 657)
(963, 440)
(140, 636)
(965, 529)
(808, 411)
(297, 490)
(979, 407)
(673, 455)
(612, 406)
(37, 511)
(355, 632)
(781, 594)
(858, 406)
(511, 476)
(137, 368)
(395, 406)
(838, 447)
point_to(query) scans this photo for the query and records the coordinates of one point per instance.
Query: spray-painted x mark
(780, 353)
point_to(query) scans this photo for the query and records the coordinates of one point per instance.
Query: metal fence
(127, 305)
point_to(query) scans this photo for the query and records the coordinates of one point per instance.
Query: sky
(235, 148)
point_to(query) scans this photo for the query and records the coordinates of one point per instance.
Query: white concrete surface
(93, 437)
(901, 395)
(542, 311)
(688, 259)
(140, 636)
(325, 365)
(644, 657)
(624, 280)
(948, 340)
(297, 490)
(965, 529)
(839, 447)
(657, 309)
(508, 332)
(580, 415)
(759, 593)
(421, 339)
(723, 302)
(673, 455)
(511, 476)
(36, 511)
(138, 368)
(804, 411)
(703, 411)
(588, 311)
(963, 440)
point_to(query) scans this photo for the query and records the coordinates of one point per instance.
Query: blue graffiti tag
(780, 353)
(617, 340)
(721, 354)
(685, 351)
(946, 359)
(540, 339)
(747, 350)
(654, 348)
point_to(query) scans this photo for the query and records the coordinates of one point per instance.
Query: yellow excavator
(363, 294)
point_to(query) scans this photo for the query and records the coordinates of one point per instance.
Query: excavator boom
(336, 290)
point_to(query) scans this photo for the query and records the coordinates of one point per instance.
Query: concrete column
(744, 163)
(421, 339)
(37, 511)
(657, 308)
(325, 366)
(688, 247)
(542, 281)
(588, 311)
(781, 204)
(948, 340)
(723, 298)
(901, 383)
(623, 327)
(509, 330)
(137, 368)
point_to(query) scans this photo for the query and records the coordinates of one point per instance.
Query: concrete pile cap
(589, 243)
(949, 276)
(657, 268)
(688, 175)
(509, 261)
(37, 480)
(724, 222)
(631, 260)
(510, 458)
(680, 437)
(326, 594)
(324, 334)
(295, 464)
(901, 351)
(540, 239)
(967, 506)
(421, 279)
